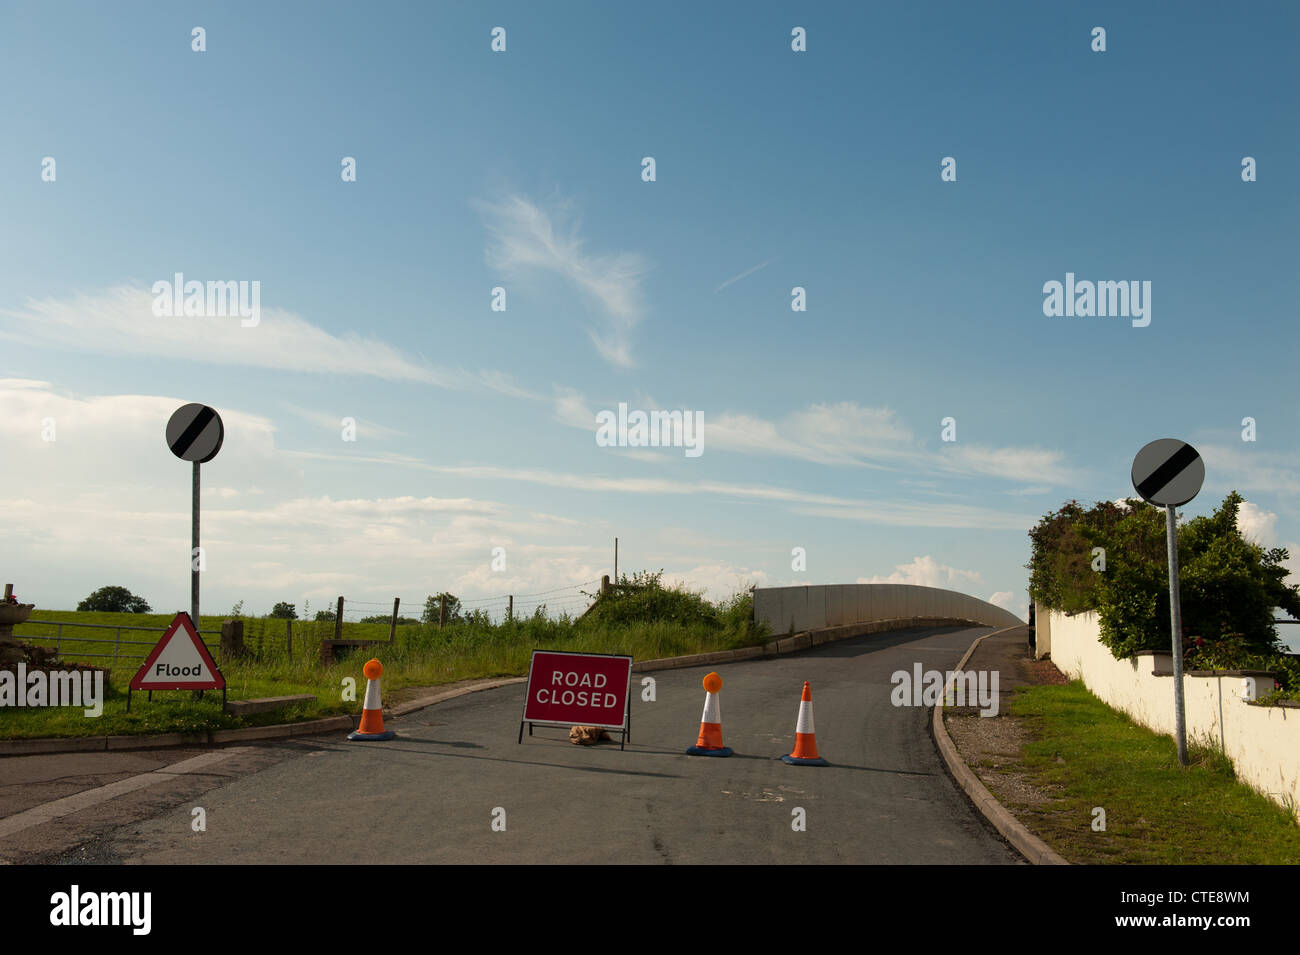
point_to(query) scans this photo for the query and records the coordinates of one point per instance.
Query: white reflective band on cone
(805, 724)
(372, 697)
(712, 709)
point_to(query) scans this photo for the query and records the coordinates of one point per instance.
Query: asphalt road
(431, 795)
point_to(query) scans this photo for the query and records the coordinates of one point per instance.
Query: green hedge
(1229, 585)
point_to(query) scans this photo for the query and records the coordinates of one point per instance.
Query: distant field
(96, 645)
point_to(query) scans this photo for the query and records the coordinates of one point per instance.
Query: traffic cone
(710, 741)
(372, 711)
(805, 736)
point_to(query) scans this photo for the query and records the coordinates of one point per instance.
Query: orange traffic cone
(710, 741)
(372, 711)
(805, 735)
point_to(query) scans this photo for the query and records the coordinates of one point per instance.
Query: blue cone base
(696, 751)
(387, 734)
(795, 761)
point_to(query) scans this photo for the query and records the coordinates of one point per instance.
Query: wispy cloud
(745, 274)
(871, 511)
(528, 239)
(334, 422)
(120, 321)
(846, 434)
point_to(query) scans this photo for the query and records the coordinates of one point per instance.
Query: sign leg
(1176, 626)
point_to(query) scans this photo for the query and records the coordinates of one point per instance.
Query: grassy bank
(648, 624)
(1082, 754)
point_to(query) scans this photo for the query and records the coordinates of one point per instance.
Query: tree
(325, 615)
(114, 600)
(284, 611)
(432, 608)
(1229, 586)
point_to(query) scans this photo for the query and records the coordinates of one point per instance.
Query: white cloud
(1250, 469)
(927, 572)
(1292, 563)
(716, 580)
(1257, 525)
(1003, 599)
(1016, 604)
(1013, 463)
(527, 239)
(107, 503)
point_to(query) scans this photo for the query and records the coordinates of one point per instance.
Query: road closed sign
(578, 689)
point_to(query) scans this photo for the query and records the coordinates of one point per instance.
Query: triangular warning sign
(182, 663)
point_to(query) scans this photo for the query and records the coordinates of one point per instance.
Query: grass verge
(1081, 754)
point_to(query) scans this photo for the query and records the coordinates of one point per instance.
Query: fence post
(9, 592)
(232, 639)
(510, 609)
(338, 621)
(604, 584)
(392, 627)
(442, 612)
(288, 636)
(117, 643)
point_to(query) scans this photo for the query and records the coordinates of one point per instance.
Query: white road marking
(93, 797)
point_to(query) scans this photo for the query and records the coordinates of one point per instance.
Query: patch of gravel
(991, 747)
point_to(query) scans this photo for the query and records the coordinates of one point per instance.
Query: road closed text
(577, 689)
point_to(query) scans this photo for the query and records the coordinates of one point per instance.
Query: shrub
(1228, 584)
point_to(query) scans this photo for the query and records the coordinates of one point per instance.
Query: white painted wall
(1263, 742)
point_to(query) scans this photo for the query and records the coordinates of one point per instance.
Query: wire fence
(571, 600)
(110, 644)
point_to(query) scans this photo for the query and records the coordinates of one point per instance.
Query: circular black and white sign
(1168, 471)
(195, 433)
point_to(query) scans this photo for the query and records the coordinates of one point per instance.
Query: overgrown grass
(1157, 813)
(421, 656)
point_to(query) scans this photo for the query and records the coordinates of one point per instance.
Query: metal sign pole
(194, 551)
(195, 434)
(1168, 472)
(1176, 625)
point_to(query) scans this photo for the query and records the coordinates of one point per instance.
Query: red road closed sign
(578, 689)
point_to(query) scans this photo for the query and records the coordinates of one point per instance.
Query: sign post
(579, 689)
(195, 433)
(1169, 472)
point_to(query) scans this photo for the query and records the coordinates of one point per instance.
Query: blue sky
(523, 169)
